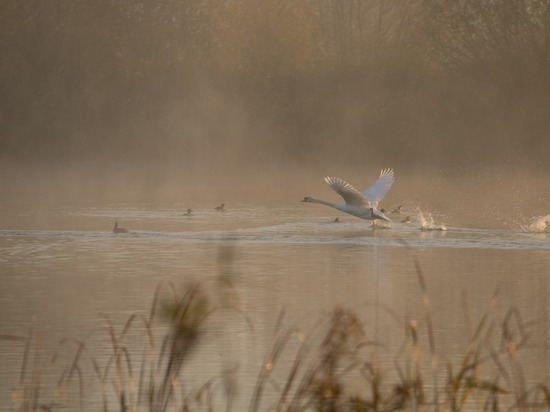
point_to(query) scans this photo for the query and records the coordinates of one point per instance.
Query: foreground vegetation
(342, 371)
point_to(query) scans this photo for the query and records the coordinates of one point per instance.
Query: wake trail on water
(425, 220)
(538, 224)
(428, 222)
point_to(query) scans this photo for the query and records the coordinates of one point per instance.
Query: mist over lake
(151, 115)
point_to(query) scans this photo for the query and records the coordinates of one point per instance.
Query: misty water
(64, 273)
(135, 111)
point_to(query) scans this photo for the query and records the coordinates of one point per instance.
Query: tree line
(397, 79)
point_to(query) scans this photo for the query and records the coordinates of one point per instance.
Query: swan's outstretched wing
(378, 189)
(351, 195)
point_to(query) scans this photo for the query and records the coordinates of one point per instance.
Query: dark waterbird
(117, 229)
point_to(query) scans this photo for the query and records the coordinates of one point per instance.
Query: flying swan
(363, 205)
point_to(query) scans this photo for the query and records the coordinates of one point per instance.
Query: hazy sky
(119, 94)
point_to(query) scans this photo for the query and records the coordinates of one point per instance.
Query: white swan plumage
(363, 205)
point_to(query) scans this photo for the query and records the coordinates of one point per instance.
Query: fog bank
(137, 100)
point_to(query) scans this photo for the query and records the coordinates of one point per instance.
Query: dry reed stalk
(278, 344)
(118, 352)
(429, 325)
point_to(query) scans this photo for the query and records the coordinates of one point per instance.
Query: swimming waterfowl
(188, 213)
(362, 205)
(117, 229)
(220, 208)
(397, 210)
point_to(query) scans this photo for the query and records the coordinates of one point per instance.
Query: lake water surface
(64, 272)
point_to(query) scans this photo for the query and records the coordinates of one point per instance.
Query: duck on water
(117, 229)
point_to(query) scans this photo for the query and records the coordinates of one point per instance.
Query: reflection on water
(70, 272)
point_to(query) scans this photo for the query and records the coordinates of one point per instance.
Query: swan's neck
(324, 202)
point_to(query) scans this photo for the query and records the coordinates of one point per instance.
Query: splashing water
(540, 224)
(428, 223)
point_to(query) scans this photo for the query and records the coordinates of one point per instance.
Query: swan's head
(307, 199)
